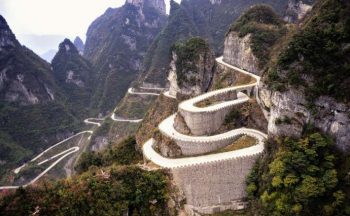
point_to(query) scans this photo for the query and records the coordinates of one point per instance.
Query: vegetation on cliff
(116, 43)
(203, 18)
(122, 153)
(118, 190)
(109, 185)
(34, 112)
(303, 176)
(187, 56)
(265, 27)
(318, 55)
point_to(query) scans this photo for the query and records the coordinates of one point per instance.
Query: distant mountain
(209, 19)
(116, 44)
(79, 44)
(48, 56)
(33, 113)
(73, 73)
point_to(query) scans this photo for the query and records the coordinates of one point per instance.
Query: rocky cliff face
(297, 9)
(192, 68)
(238, 51)
(116, 44)
(300, 91)
(290, 114)
(249, 40)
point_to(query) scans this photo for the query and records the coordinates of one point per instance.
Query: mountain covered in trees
(116, 45)
(34, 111)
(209, 19)
(75, 75)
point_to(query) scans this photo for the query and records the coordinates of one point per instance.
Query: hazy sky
(54, 17)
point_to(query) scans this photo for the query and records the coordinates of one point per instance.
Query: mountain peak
(7, 38)
(67, 46)
(79, 44)
(3, 23)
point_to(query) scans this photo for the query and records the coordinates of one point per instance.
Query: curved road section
(208, 143)
(63, 154)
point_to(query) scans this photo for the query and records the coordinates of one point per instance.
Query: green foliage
(24, 129)
(299, 178)
(319, 51)
(120, 191)
(188, 54)
(117, 50)
(195, 18)
(123, 153)
(262, 14)
(265, 26)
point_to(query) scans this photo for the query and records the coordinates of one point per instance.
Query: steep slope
(309, 81)
(192, 68)
(209, 19)
(179, 27)
(116, 44)
(32, 111)
(251, 37)
(74, 75)
(305, 170)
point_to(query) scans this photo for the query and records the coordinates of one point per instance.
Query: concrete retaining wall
(217, 186)
(208, 122)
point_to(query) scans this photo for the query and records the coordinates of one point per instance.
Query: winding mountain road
(167, 128)
(120, 119)
(132, 92)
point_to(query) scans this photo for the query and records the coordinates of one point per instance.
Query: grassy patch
(240, 143)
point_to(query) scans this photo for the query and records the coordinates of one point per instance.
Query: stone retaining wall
(208, 122)
(215, 187)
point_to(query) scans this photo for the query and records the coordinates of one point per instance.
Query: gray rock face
(196, 81)
(290, 114)
(238, 52)
(297, 9)
(157, 4)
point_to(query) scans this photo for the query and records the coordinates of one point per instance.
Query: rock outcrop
(238, 52)
(297, 9)
(290, 114)
(250, 38)
(191, 68)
